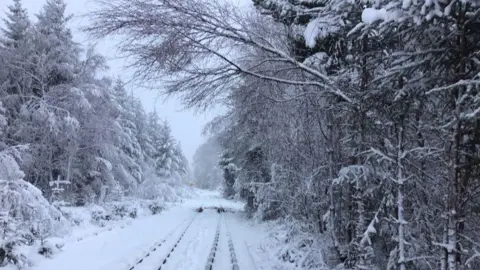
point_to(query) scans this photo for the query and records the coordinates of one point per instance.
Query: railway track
(211, 257)
(231, 249)
(165, 260)
(161, 257)
(158, 244)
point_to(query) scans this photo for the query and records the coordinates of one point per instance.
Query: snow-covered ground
(178, 238)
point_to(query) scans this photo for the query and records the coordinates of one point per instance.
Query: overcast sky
(186, 125)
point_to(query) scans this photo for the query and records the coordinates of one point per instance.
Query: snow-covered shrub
(26, 216)
(46, 250)
(123, 209)
(111, 212)
(271, 203)
(85, 195)
(134, 207)
(157, 189)
(100, 216)
(80, 216)
(155, 207)
(230, 171)
(116, 193)
(25, 203)
(298, 246)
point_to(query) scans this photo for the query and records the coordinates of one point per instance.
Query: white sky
(186, 126)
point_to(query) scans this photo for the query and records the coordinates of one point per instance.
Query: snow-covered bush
(100, 216)
(156, 189)
(230, 171)
(134, 207)
(121, 210)
(299, 246)
(155, 207)
(27, 218)
(112, 212)
(182, 193)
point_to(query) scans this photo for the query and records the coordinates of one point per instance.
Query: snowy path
(222, 256)
(155, 256)
(179, 238)
(195, 248)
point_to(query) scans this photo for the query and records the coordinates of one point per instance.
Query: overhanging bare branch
(203, 42)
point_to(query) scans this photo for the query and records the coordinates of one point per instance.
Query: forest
(358, 122)
(70, 136)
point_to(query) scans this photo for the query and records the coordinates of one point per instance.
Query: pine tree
(56, 54)
(130, 152)
(180, 166)
(17, 25)
(16, 49)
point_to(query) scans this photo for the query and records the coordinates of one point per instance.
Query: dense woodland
(358, 119)
(67, 133)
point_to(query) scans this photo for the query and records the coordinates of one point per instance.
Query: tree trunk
(443, 260)
(400, 197)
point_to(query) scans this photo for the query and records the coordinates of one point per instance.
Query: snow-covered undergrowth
(284, 243)
(295, 246)
(33, 228)
(27, 220)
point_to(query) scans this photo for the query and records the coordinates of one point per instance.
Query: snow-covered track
(161, 242)
(231, 248)
(164, 261)
(211, 257)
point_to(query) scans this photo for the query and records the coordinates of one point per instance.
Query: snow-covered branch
(201, 30)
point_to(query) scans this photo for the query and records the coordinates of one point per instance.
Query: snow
(317, 59)
(250, 240)
(81, 217)
(118, 247)
(406, 4)
(223, 255)
(311, 33)
(372, 15)
(150, 240)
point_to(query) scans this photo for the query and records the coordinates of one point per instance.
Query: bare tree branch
(198, 44)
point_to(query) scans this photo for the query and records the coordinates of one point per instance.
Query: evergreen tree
(56, 58)
(130, 151)
(17, 25)
(16, 50)
(229, 175)
(62, 122)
